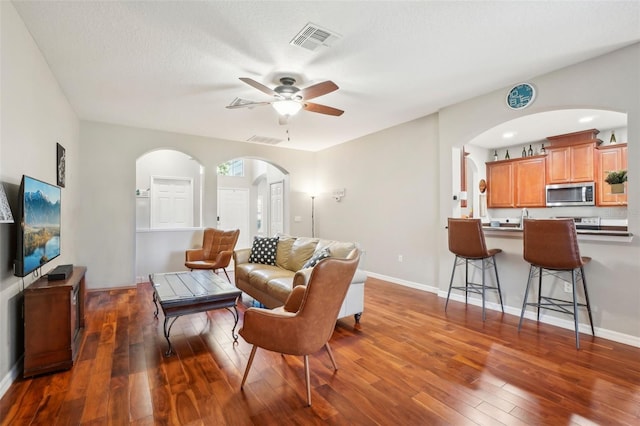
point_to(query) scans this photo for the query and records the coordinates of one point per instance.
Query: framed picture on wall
(60, 164)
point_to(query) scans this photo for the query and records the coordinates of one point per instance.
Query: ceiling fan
(289, 99)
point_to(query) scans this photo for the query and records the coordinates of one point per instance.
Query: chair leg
(225, 272)
(539, 291)
(586, 296)
(466, 281)
(484, 287)
(575, 307)
(453, 272)
(308, 379)
(333, 360)
(246, 371)
(526, 294)
(495, 269)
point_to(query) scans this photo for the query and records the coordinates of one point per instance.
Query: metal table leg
(167, 331)
(236, 317)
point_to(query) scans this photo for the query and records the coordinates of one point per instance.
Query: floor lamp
(313, 216)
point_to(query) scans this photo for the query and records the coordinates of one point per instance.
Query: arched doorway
(253, 196)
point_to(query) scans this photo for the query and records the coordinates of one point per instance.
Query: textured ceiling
(174, 66)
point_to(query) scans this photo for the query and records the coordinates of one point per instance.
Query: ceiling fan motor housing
(287, 89)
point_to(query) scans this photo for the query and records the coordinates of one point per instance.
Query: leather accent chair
(466, 241)
(216, 252)
(551, 247)
(307, 320)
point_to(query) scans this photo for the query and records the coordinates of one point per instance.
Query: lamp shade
(5, 210)
(287, 107)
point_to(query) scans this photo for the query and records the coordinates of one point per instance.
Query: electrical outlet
(400, 258)
(567, 288)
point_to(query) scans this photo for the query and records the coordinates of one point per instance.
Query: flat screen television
(39, 228)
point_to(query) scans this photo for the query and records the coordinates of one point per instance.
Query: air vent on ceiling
(313, 36)
(264, 140)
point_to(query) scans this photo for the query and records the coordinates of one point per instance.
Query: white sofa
(271, 284)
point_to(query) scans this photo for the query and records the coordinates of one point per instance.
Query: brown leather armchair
(216, 252)
(306, 322)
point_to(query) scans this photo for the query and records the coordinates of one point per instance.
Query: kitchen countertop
(605, 233)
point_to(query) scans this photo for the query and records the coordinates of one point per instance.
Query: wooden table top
(183, 288)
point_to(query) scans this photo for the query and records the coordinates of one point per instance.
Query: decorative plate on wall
(521, 96)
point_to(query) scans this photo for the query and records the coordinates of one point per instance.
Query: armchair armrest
(193, 255)
(295, 299)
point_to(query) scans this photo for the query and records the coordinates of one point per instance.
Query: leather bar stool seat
(551, 247)
(466, 241)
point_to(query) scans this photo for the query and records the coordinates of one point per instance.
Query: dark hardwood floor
(407, 363)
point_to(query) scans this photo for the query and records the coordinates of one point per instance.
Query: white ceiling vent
(264, 140)
(313, 36)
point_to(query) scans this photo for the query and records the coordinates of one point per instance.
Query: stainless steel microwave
(571, 194)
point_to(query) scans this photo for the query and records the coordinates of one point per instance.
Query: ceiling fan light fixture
(287, 107)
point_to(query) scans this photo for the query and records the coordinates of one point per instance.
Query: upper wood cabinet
(500, 184)
(571, 163)
(530, 184)
(516, 183)
(610, 158)
(570, 157)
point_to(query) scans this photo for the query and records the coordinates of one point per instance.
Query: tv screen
(39, 230)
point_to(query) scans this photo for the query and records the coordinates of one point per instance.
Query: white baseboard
(10, 377)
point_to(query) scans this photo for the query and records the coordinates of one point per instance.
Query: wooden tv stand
(53, 323)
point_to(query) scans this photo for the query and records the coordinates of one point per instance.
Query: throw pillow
(317, 257)
(264, 250)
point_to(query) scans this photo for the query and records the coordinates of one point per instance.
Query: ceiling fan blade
(261, 87)
(318, 90)
(322, 109)
(244, 103)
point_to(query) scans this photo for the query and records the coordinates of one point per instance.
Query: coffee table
(182, 293)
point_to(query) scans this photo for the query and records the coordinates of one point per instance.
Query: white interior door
(233, 213)
(171, 202)
(276, 210)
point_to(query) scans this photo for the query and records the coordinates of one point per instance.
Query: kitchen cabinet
(516, 183)
(610, 158)
(500, 184)
(570, 163)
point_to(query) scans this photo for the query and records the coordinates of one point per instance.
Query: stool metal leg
(495, 269)
(526, 295)
(586, 296)
(484, 288)
(575, 307)
(453, 272)
(540, 271)
(466, 281)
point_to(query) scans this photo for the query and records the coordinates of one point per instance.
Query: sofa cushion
(317, 257)
(264, 250)
(260, 277)
(280, 288)
(283, 251)
(301, 251)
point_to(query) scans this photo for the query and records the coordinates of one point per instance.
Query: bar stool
(466, 241)
(551, 247)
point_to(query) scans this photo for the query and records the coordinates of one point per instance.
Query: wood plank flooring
(406, 363)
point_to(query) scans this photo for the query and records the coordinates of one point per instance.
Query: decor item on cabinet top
(616, 179)
(612, 139)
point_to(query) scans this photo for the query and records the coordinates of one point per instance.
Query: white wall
(35, 115)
